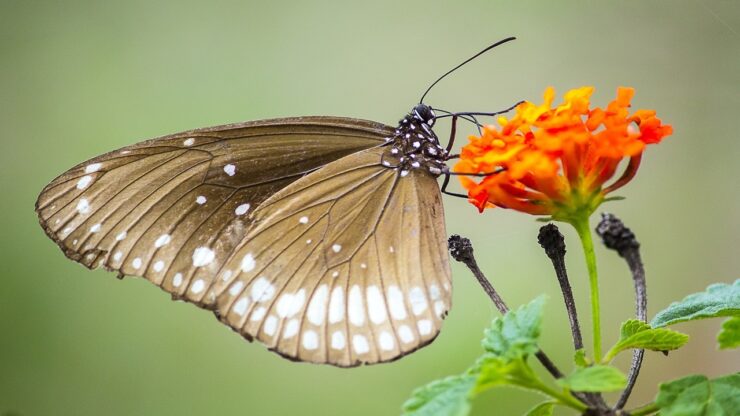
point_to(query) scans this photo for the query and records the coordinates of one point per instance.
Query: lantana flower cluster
(557, 161)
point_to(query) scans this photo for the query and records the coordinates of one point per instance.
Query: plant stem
(564, 398)
(462, 251)
(645, 410)
(618, 237)
(553, 242)
(584, 232)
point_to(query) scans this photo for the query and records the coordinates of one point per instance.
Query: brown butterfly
(322, 237)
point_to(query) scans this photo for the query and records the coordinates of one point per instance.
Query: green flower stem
(565, 398)
(645, 410)
(584, 232)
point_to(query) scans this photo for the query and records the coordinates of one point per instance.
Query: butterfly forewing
(345, 266)
(173, 209)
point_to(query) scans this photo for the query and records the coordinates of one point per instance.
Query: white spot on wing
(290, 304)
(317, 307)
(198, 286)
(291, 328)
(83, 207)
(258, 314)
(359, 342)
(117, 256)
(395, 303)
(248, 263)
(93, 167)
(310, 340)
(434, 292)
(356, 307)
(262, 290)
(240, 307)
(121, 236)
(203, 256)
(336, 248)
(303, 220)
(230, 169)
(375, 305)
(136, 263)
(84, 182)
(236, 288)
(386, 341)
(425, 326)
(200, 200)
(95, 228)
(270, 325)
(189, 142)
(337, 340)
(158, 266)
(336, 305)
(439, 308)
(242, 209)
(405, 334)
(177, 280)
(418, 300)
(163, 239)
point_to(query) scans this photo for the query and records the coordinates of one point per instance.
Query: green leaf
(596, 378)
(637, 334)
(497, 371)
(729, 336)
(447, 397)
(718, 300)
(515, 334)
(579, 357)
(698, 396)
(542, 409)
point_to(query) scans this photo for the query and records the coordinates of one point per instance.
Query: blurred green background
(81, 78)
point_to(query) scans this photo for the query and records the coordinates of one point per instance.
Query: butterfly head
(424, 114)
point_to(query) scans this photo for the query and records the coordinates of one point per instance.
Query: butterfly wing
(172, 209)
(347, 265)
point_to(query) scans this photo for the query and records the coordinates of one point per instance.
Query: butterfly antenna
(501, 42)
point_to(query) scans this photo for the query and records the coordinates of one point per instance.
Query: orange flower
(556, 161)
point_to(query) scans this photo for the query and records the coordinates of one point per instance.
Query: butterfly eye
(424, 114)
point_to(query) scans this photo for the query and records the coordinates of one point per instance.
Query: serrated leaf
(632, 327)
(542, 409)
(596, 378)
(579, 357)
(719, 299)
(515, 334)
(500, 371)
(698, 396)
(637, 334)
(446, 397)
(729, 336)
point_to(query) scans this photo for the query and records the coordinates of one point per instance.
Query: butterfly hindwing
(347, 265)
(172, 209)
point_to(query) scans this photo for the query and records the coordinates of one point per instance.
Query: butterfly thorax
(415, 146)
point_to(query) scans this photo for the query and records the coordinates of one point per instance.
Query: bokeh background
(81, 78)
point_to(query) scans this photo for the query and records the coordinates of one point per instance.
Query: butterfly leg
(446, 192)
(453, 130)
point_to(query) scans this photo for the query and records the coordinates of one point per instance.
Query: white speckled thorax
(415, 146)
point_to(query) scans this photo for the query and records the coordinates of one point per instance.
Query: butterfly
(321, 237)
